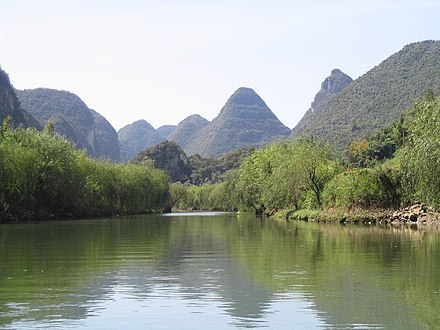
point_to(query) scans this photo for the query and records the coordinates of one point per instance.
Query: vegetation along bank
(43, 175)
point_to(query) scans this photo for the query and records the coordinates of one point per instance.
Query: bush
(363, 188)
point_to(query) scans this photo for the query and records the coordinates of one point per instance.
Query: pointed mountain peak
(245, 96)
(336, 82)
(142, 123)
(187, 129)
(245, 120)
(331, 86)
(194, 119)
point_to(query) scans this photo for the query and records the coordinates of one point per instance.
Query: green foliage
(193, 170)
(363, 188)
(421, 157)
(214, 170)
(281, 175)
(380, 146)
(178, 194)
(43, 175)
(202, 197)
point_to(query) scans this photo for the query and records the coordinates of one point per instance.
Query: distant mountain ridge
(73, 119)
(136, 137)
(165, 130)
(377, 98)
(342, 111)
(245, 120)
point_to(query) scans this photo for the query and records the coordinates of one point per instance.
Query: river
(216, 271)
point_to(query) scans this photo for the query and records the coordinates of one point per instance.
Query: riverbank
(416, 214)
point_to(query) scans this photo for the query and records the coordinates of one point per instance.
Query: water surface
(198, 271)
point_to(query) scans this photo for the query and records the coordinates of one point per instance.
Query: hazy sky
(165, 60)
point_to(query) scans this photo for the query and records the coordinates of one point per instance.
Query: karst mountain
(376, 99)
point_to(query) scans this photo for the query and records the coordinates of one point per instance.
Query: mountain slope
(245, 120)
(135, 137)
(72, 119)
(187, 130)
(10, 105)
(44, 104)
(165, 130)
(106, 138)
(377, 98)
(330, 87)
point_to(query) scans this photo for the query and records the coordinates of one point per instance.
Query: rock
(416, 213)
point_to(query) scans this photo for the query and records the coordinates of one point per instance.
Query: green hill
(245, 120)
(73, 119)
(377, 98)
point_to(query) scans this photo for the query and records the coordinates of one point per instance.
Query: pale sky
(164, 60)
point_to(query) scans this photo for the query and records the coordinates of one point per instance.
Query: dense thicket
(381, 145)
(203, 197)
(283, 175)
(421, 157)
(43, 175)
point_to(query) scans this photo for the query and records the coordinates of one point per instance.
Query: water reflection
(220, 271)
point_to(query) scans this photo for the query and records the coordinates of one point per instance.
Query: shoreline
(416, 215)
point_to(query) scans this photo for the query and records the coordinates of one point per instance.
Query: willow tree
(281, 175)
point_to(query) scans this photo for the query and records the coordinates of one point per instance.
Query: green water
(216, 271)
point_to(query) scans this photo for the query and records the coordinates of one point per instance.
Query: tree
(280, 175)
